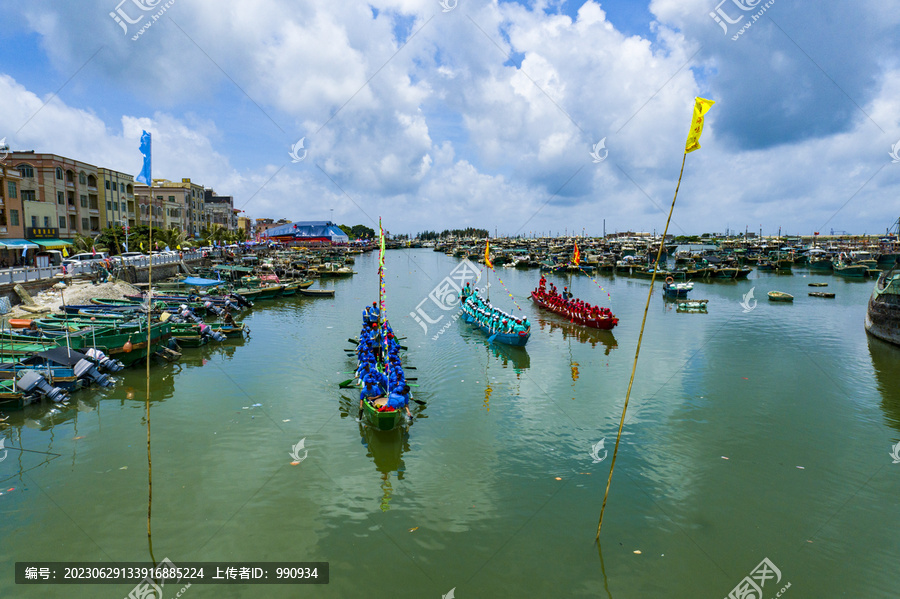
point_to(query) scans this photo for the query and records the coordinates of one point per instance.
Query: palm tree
(173, 237)
(85, 243)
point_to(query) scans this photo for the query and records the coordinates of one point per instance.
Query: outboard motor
(32, 382)
(104, 362)
(242, 300)
(206, 331)
(211, 307)
(84, 369)
(231, 305)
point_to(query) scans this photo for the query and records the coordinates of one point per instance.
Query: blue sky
(483, 114)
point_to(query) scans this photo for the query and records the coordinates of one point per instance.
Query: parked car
(86, 258)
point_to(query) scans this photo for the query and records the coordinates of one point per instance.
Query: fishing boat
(606, 322)
(845, 268)
(817, 284)
(820, 294)
(883, 310)
(780, 296)
(317, 292)
(676, 290)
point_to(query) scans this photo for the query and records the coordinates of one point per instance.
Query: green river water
(493, 491)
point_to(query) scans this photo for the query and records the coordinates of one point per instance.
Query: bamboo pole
(147, 399)
(638, 350)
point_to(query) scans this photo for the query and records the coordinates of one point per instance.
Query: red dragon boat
(606, 321)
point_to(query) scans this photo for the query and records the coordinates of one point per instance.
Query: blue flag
(24, 250)
(145, 177)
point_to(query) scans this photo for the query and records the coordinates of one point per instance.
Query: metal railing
(30, 273)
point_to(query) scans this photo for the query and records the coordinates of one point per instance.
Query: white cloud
(447, 131)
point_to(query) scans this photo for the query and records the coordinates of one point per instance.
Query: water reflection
(386, 449)
(580, 333)
(886, 362)
(507, 354)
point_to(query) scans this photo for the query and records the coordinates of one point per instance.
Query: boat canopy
(198, 282)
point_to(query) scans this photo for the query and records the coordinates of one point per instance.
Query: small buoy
(558, 478)
(637, 551)
(128, 346)
(414, 529)
(294, 463)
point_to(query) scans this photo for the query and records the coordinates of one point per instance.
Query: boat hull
(883, 310)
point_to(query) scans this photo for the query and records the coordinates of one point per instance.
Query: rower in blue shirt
(400, 399)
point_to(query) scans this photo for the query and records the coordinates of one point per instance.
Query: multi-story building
(219, 210)
(11, 214)
(58, 193)
(183, 204)
(244, 223)
(264, 224)
(117, 206)
(150, 206)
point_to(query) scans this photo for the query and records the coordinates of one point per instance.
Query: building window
(94, 204)
(84, 201)
(34, 221)
(82, 178)
(59, 173)
(14, 218)
(62, 222)
(84, 224)
(108, 206)
(121, 187)
(2, 218)
(72, 222)
(26, 171)
(11, 186)
(46, 221)
(28, 195)
(159, 198)
(123, 207)
(107, 185)
(171, 198)
(60, 197)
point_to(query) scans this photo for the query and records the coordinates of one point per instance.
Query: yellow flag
(178, 246)
(701, 107)
(65, 253)
(487, 255)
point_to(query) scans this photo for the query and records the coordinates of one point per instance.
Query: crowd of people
(487, 316)
(566, 305)
(379, 371)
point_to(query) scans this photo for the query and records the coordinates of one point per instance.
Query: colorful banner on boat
(576, 257)
(701, 107)
(487, 255)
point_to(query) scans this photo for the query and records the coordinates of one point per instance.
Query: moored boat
(883, 310)
(780, 296)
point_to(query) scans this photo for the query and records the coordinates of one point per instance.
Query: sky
(437, 114)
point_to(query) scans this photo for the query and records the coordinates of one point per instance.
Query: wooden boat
(317, 292)
(818, 284)
(780, 296)
(676, 290)
(820, 294)
(605, 323)
(847, 269)
(518, 339)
